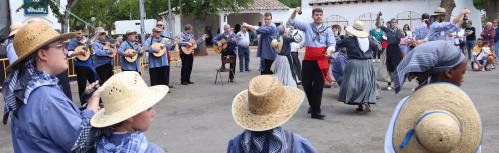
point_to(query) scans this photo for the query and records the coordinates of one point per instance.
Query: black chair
(226, 60)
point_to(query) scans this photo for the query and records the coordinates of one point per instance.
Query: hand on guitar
(130, 54)
(219, 44)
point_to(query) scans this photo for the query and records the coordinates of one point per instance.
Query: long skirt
(359, 84)
(282, 70)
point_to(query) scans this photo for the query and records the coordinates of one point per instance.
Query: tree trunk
(492, 9)
(198, 31)
(65, 21)
(449, 6)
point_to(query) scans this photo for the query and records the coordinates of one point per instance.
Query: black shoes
(184, 83)
(318, 116)
(190, 82)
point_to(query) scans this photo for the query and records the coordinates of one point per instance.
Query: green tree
(200, 9)
(291, 3)
(61, 14)
(491, 7)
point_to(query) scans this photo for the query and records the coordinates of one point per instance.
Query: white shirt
(243, 39)
(295, 46)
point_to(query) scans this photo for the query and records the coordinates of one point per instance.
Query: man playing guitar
(187, 59)
(130, 43)
(230, 51)
(103, 63)
(85, 70)
(159, 70)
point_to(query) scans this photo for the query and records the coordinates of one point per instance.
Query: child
(261, 110)
(482, 56)
(127, 113)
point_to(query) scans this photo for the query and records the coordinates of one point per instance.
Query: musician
(130, 43)
(187, 59)
(230, 51)
(319, 43)
(162, 26)
(102, 62)
(159, 68)
(85, 70)
(265, 51)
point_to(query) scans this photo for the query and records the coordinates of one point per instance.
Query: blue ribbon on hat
(410, 132)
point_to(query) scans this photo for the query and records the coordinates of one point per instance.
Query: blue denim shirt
(267, 33)
(154, 61)
(326, 38)
(125, 65)
(422, 31)
(71, 47)
(231, 45)
(184, 38)
(440, 31)
(11, 53)
(101, 56)
(49, 122)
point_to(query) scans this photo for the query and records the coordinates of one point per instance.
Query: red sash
(319, 54)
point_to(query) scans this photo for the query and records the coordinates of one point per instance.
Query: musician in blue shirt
(130, 43)
(230, 51)
(159, 70)
(85, 70)
(187, 59)
(103, 63)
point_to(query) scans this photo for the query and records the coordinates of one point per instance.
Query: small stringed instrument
(162, 50)
(86, 49)
(192, 45)
(131, 59)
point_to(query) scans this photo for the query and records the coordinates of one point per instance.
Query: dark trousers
(377, 54)
(313, 84)
(105, 72)
(64, 83)
(244, 58)
(160, 75)
(185, 72)
(266, 67)
(296, 65)
(232, 54)
(83, 74)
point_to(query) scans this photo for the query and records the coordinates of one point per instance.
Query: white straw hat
(439, 117)
(266, 104)
(125, 95)
(357, 29)
(277, 44)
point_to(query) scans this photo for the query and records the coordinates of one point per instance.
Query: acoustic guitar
(113, 50)
(192, 45)
(86, 49)
(218, 49)
(131, 59)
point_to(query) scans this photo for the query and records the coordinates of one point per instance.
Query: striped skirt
(282, 70)
(359, 83)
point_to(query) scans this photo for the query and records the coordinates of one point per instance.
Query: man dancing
(319, 43)
(265, 51)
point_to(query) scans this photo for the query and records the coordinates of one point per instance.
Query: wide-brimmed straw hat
(277, 44)
(439, 117)
(32, 37)
(439, 11)
(14, 27)
(357, 29)
(266, 104)
(125, 95)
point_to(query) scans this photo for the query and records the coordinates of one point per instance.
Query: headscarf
(255, 141)
(21, 82)
(433, 57)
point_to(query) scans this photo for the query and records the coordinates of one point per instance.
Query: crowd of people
(118, 108)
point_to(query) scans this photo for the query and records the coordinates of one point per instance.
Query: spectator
(488, 34)
(470, 38)
(424, 28)
(496, 38)
(482, 56)
(377, 33)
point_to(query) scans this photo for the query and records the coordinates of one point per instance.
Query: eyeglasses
(159, 25)
(157, 31)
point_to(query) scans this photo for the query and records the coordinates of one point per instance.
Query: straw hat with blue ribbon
(440, 118)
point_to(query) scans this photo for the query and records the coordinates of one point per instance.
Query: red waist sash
(319, 54)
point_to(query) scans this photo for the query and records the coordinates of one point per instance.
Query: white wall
(21, 17)
(390, 9)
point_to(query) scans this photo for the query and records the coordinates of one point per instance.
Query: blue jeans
(496, 47)
(244, 59)
(469, 45)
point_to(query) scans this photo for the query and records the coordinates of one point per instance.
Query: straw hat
(130, 32)
(439, 117)
(277, 44)
(440, 11)
(32, 37)
(266, 104)
(125, 95)
(357, 29)
(14, 27)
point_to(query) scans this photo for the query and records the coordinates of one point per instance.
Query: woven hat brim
(13, 32)
(21, 58)
(355, 32)
(439, 96)
(155, 95)
(247, 120)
